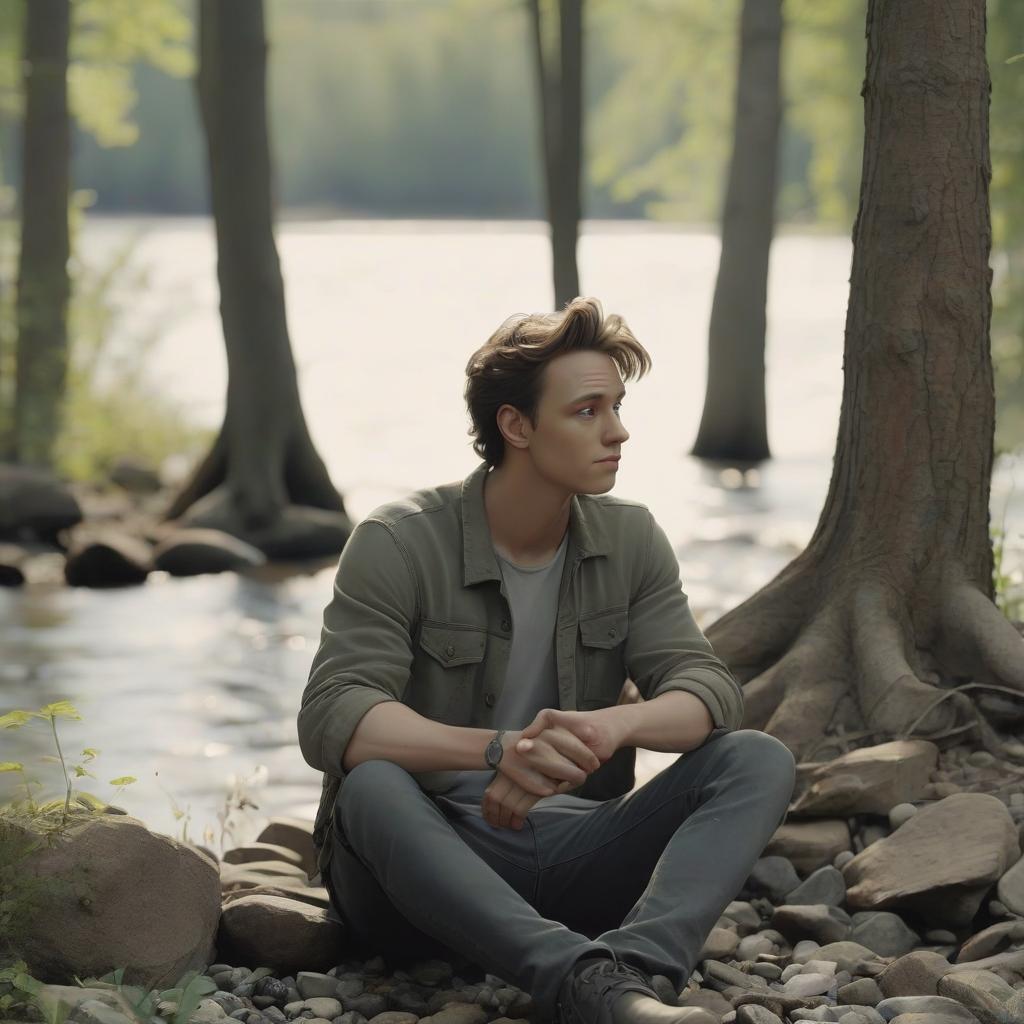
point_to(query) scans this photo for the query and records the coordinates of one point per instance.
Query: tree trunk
(560, 100)
(874, 628)
(44, 287)
(263, 463)
(733, 425)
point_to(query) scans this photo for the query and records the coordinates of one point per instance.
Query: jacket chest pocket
(448, 664)
(602, 637)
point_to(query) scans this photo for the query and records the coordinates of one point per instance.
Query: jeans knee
(366, 788)
(764, 753)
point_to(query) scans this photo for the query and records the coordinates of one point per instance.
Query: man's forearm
(672, 723)
(392, 731)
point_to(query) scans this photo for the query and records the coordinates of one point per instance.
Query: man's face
(578, 422)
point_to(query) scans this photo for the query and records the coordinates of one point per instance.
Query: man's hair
(507, 369)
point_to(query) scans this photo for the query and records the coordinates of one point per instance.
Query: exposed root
(812, 687)
(753, 636)
(892, 698)
(991, 641)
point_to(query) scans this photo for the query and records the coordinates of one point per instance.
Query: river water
(192, 686)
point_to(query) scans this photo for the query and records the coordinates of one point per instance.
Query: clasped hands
(556, 752)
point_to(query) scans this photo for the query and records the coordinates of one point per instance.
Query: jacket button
(450, 651)
(489, 700)
(611, 632)
(506, 625)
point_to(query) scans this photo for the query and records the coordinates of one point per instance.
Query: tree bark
(733, 426)
(263, 462)
(44, 287)
(875, 628)
(560, 102)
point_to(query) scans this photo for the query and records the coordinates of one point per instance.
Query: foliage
(108, 39)
(110, 402)
(1006, 36)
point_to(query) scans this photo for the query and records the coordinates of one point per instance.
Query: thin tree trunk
(43, 284)
(876, 625)
(733, 425)
(567, 206)
(263, 460)
(560, 102)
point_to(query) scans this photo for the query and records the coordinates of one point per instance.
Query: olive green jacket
(419, 614)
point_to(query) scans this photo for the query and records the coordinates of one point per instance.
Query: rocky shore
(893, 892)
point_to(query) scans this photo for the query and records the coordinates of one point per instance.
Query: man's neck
(526, 516)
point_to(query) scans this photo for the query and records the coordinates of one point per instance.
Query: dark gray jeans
(646, 874)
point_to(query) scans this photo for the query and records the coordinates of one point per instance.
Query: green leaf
(11, 766)
(59, 709)
(90, 752)
(123, 780)
(1018, 57)
(16, 719)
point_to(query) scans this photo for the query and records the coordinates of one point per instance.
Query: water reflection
(193, 685)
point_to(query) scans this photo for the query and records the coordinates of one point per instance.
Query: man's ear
(512, 424)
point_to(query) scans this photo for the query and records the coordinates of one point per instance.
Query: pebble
(901, 814)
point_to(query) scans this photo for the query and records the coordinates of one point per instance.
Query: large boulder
(107, 893)
(107, 558)
(940, 863)
(34, 504)
(193, 552)
(287, 935)
(870, 780)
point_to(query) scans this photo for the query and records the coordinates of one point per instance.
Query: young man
(466, 705)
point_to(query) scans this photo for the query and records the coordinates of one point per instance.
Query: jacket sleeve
(665, 649)
(365, 654)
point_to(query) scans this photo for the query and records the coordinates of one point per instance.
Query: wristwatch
(494, 750)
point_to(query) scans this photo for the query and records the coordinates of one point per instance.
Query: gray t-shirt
(531, 683)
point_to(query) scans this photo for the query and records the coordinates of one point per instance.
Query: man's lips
(611, 458)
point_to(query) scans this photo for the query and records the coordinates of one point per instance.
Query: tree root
(861, 642)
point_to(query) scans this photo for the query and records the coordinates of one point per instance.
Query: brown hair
(507, 368)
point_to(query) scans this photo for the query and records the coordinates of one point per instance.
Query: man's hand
(505, 805)
(556, 753)
(602, 731)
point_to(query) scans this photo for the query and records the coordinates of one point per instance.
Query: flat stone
(883, 932)
(869, 780)
(985, 994)
(991, 940)
(940, 864)
(845, 955)
(940, 1005)
(311, 984)
(809, 845)
(822, 922)
(719, 976)
(826, 885)
(808, 984)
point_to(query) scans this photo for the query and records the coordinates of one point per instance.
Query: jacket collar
(587, 536)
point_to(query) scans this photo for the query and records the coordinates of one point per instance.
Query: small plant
(51, 712)
(1008, 586)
